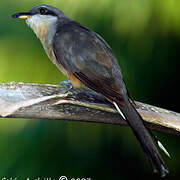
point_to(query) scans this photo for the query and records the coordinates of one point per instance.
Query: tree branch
(42, 101)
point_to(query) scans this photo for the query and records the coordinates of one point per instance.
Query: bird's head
(41, 18)
(40, 11)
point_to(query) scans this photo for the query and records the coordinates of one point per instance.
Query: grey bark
(43, 101)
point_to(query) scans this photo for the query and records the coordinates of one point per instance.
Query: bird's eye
(43, 11)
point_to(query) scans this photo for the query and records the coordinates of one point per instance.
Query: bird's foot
(66, 84)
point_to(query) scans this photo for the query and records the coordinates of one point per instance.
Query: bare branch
(42, 101)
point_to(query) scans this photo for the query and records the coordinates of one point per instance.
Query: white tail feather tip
(163, 148)
(120, 112)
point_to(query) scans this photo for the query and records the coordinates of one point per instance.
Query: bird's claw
(66, 84)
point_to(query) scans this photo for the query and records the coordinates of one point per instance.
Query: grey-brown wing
(86, 55)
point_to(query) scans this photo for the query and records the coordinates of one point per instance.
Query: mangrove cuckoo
(86, 58)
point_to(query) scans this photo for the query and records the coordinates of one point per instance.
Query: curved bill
(22, 15)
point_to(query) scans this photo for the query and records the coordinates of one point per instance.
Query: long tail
(135, 121)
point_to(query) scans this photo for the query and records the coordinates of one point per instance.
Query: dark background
(145, 36)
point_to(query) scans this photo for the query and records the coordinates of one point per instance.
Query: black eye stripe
(44, 11)
(51, 13)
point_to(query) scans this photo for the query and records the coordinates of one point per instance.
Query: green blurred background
(145, 36)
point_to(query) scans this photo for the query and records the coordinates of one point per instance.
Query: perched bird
(87, 59)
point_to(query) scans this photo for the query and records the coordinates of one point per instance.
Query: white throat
(44, 27)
